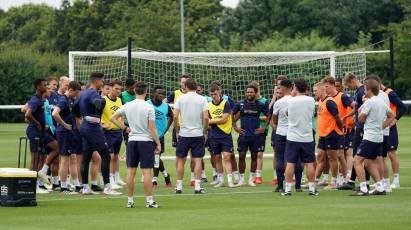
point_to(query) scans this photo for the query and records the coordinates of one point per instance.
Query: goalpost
(233, 69)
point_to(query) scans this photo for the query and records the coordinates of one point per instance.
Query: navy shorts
(358, 135)
(393, 138)
(78, 141)
(332, 141)
(114, 139)
(36, 139)
(125, 136)
(299, 152)
(93, 140)
(252, 143)
(385, 147)
(280, 143)
(140, 152)
(195, 144)
(66, 143)
(370, 150)
(273, 139)
(174, 139)
(222, 144)
(262, 139)
(162, 145)
(348, 140)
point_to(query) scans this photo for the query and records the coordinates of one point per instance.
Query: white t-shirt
(300, 114)
(384, 97)
(191, 106)
(376, 111)
(138, 112)
(280, 110)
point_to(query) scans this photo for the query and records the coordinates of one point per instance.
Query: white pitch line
(100, 197)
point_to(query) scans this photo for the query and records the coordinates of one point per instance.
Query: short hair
(216, 82)
(319, 84)
(339, 80)
(255, 83)
(107, 82)
(141, 88)
(64, 78)
(281, 78)
(186, 75)
(286, 83)
(116, 82)
(349, 77)
(96, 76)
(373, 85)
(156, 87)
(373, 77)
(191, 84)
(200, 85)
(328, 79)
(38, 82)
(52, 78)
(213, 87)
(74, 85)
(301, 85)
(252, 86)
(130, 82)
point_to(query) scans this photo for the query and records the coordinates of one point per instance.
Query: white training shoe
(43, 177)
(120, 182)
(219, 185)
(231, 185)
(236, 179)
(240, 183)
(395, 185)
(215, 182)
(111, 192)
(41, 191)
(88, 191)
(251, 183)
(115, 186)
(388, 189)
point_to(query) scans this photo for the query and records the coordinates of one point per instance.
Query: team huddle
(75, 129)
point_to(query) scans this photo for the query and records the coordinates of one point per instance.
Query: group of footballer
(75, 128)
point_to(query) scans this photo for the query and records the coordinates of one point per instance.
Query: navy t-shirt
(359, 95)
(346, 100)
(250, 115)
(87, 106)
(396, 100)
(332, 107)
(65, 112)
(216, 132)
(36, 105)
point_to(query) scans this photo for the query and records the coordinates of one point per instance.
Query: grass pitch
(224, 208)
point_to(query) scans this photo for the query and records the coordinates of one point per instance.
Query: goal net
(235, 70)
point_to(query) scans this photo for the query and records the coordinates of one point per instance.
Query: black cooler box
(17, 187)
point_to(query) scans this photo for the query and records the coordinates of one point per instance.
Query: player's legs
(279, 160)
(95, 168)
(182, 148)
(321, 162)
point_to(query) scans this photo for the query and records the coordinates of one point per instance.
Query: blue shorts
(332, 141)
(280, 143)
(370, 150)
(195, 144)
(385, 147)
(252, 143)
(93, 140)
(348, 140)
(299, 152)
(38, 140)
(219, 145)
(162, 145)
(79, 143)
(66, 143)
(393, 138)
(174, 139)
(273, 139)
(114, 140)
(140, 152)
